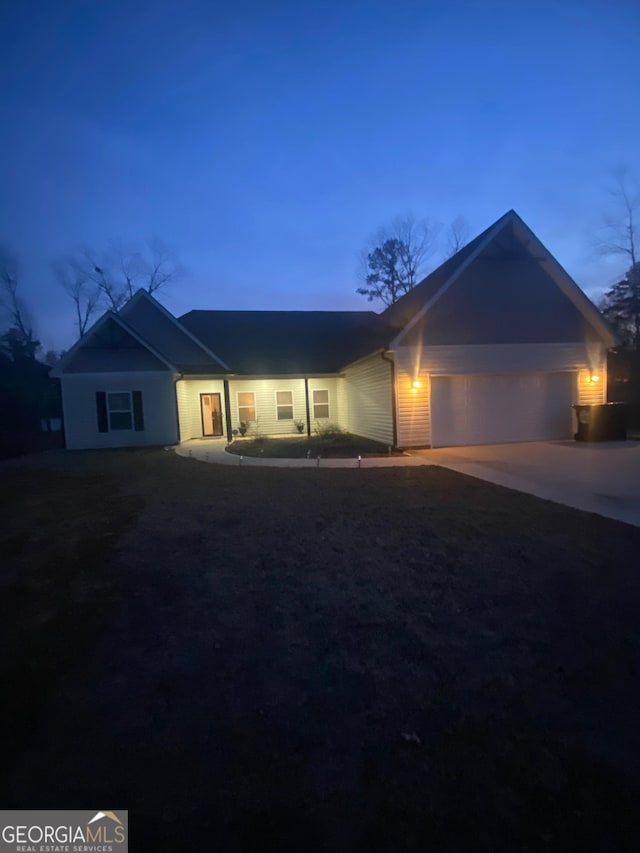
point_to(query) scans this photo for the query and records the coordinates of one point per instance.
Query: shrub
(327, 430)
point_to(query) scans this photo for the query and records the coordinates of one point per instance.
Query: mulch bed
(339, 446)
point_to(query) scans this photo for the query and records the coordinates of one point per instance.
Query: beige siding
(502, 358)
(592, 392)
(413, 406)
(333, 385)
(189, 413)
(369, 395)
(342, 397)
(267, 422)
(80, 415)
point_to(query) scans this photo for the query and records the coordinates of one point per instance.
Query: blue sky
(265, 142)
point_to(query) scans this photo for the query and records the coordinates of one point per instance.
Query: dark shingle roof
(504, 295)
(155, 325)
(288, 342)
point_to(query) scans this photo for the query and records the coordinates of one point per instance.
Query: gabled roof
(503, 287)
(99, 355)
(159, 327)
(288, 342)
(516, 267)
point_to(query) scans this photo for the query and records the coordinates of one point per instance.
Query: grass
(338, 445)
(57, 542)
(388, 660)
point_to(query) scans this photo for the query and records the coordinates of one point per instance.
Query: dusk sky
(265, 141)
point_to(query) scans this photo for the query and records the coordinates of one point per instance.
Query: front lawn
(339, 445)
(317, 659)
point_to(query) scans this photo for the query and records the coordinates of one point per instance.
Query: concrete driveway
(597, 477)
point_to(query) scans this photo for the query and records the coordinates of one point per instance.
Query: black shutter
(101, 410)
(138, 419)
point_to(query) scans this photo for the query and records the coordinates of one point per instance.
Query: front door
(211, 414)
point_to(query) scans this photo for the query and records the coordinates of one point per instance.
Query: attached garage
(495, 409)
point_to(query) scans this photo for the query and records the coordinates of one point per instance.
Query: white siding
(369, 399)
(413, 406)
(190, 416)
(80, 415)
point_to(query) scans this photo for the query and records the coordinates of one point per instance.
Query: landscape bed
(338, 445)
(390, 659)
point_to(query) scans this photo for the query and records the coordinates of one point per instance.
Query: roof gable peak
(109, 316)
(141, 295)
(435, 285)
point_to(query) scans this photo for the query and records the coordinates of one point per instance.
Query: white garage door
(498, 409)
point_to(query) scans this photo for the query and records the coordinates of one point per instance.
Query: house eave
(365, 357)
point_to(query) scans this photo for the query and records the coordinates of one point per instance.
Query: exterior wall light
(594, 378)
(415, 384)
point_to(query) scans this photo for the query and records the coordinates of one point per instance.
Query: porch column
(306, 405)
(227, 410)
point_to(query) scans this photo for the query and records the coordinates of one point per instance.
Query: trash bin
(601, 422)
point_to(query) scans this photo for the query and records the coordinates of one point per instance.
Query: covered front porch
(215, 408)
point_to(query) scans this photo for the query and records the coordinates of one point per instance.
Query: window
(246, 406)
(284, 405)
(119, 410)
(120, 414)
(320, 404)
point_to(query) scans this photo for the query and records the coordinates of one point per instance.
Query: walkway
(214, 451)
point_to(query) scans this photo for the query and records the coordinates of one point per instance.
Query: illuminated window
(246, 406)
(284, 405)
(320, 404)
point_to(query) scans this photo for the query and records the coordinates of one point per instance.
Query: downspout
(306, 405)
(227, 410)
(393, 395)
(177, 378)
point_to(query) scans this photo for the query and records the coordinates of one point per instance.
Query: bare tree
(620, 233)
(9, 299)
(393, 260)
(117, 274)
(620, 304)
(457, 235)
(82, 290)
